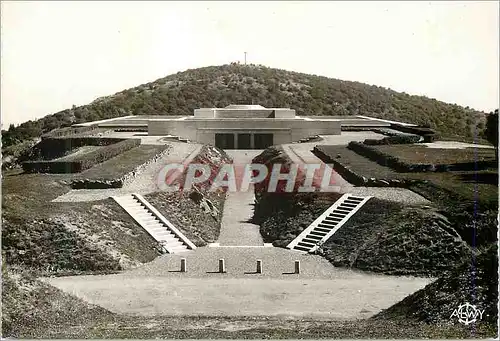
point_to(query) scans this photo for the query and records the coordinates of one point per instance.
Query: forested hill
(218, 86)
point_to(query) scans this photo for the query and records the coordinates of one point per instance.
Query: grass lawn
(359, 164)
(122, 164)
(75, 154)
(474, 186)
(417, 154)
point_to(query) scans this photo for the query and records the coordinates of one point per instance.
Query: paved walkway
(235, 226)
(236, 230)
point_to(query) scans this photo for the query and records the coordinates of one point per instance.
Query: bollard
(297, 266)
(183, 264)
(259, 267)
(222, 266)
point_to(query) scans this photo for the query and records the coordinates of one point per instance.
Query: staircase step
(353, 197)
(327, 223)
(313, 237)
(172, 245)
(317, 233)
(139, 211)
(143, 213)
(306, 244)
(309, 241)
(148, 220)
(351, 202)
(163, 232)
(337, 214)
(301, 248)
(341, 210)
(158, 224)
(325, 229)
(334, 219)
(348, 205)
(176, 248)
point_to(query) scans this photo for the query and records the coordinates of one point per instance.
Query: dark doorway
(244, 141)
(262, 141)
(224, 141)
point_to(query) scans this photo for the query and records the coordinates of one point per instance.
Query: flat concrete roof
(139, 120)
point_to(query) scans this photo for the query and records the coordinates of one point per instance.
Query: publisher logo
(467, 314)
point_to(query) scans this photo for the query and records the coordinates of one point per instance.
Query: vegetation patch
(199, 225)
(47, 235)
(395, 239)
(71, 131)
(283, 216)
(49, 246)
(420, 154)
(196, 212)
(30, 307)
(475, 281)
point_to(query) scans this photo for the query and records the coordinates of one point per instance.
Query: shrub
(396, 139)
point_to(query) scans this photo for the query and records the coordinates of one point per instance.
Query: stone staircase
(328, 223)
(170, 239)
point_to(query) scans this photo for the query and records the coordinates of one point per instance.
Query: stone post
(183, 265)
(222, 266)
(297, 266)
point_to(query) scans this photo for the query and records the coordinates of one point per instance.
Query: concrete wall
(235, 113)
(284, 113)
(204, 113)
(244, 113)
(203, 131)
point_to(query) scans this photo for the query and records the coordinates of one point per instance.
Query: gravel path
(238, 209)
(144, 183)
(321, 290)
(402, 195)
(455, 145)
(235, 226)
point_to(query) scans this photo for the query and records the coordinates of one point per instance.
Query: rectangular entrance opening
(262, 141)
(244, 141)
(224, 141)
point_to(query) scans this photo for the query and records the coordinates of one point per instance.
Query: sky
(58, 54)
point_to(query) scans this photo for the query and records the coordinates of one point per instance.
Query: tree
(491, 131)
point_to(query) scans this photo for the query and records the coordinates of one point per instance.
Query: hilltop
(219, 86)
